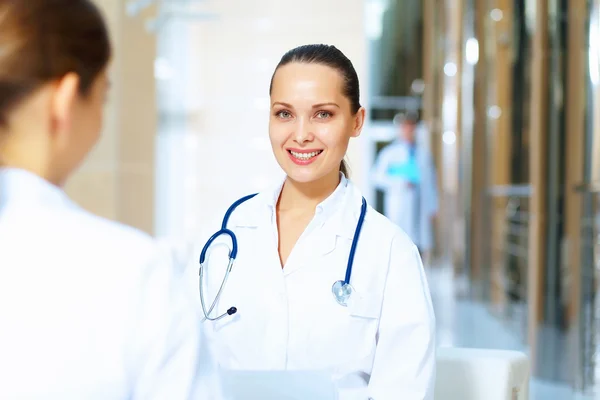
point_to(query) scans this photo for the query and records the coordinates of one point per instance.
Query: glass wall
(529, 158)
(586, 193)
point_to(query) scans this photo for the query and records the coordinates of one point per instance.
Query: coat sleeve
(404, 365)
(379, 172)
(170, 355)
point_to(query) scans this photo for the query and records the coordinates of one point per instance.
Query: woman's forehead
(307, 82)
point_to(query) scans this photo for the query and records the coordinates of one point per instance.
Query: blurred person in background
(405, 172)
(321, 281)
(89, 309)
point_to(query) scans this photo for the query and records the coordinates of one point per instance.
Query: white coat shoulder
(121, 243)
(104, 298)
(380, 230)
(391, 232)
(169, 353)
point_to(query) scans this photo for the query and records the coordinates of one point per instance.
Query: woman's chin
(308, 175)
(302, 175)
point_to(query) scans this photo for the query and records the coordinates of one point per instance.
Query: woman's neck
(305, 196)
(26, 156)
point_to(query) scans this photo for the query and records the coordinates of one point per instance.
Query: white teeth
(305, 156)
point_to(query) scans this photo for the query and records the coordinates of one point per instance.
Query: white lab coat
(409, 208)
(90, 309)
(381, 346)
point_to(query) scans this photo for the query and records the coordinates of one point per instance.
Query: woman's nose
(302, 133)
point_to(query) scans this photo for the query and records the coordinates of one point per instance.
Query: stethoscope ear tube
(224, 231)
(232, 256)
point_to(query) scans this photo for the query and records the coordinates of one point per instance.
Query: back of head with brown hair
(43, 40)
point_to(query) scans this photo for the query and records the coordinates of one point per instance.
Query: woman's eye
(284, 114)
(323, 114)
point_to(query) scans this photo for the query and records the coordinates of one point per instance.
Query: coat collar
(25, 188)
(337, 214)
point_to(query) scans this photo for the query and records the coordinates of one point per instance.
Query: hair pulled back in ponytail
(43, 40)
(344, 169)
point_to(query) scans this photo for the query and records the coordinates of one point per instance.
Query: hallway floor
(463, 323)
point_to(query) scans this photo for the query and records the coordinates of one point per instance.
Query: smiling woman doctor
(321, 281)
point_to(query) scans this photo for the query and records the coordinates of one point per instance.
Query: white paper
(278, 385)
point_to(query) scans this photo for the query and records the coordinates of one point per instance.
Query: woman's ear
(63, 102)
(359, 121)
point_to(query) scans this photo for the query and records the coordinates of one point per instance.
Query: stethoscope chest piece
(342, 292)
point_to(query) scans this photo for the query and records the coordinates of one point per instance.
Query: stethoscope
(342, 290)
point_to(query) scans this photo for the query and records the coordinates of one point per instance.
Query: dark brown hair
(43, 40)
(329, 56)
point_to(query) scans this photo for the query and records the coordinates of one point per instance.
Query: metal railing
(508, 251)
(589, 312)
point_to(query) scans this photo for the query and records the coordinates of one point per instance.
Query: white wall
(224, 84)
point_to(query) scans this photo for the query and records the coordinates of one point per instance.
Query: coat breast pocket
(344, 337)
(363, 323)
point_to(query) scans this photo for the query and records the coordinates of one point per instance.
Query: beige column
(442, 110)
(479, 236)
(433, 31)
(137, 123)
(117, 180)
(454, 220)
(500, 134)
(429, 45)
(538, 162)
(575, 139)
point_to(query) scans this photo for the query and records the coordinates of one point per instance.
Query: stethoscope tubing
(217, 297)
(233, 254)
(361, 220)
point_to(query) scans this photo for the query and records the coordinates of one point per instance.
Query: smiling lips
(304, 157)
